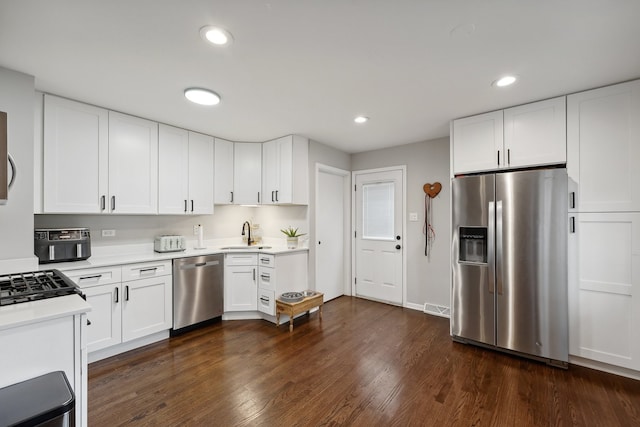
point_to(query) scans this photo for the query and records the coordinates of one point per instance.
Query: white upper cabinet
(173, 170)
(133, 165)
(247, 173)
(285, 171)
(201, 161)
(528, 135)
(603, 138)
(535, 134)
(477, 142)
(185, 172)
(75, 176)
(223, 194)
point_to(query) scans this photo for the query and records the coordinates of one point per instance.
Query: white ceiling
(309, 67)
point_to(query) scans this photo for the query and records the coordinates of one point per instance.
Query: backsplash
(225, 223)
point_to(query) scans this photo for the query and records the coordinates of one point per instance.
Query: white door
(330, 232)
(378, 235)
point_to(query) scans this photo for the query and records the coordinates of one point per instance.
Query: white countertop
(133, 254)
(25, 313)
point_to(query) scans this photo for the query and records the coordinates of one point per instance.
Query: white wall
(16, 217)
(427, 162)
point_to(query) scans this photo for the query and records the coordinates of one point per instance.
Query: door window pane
(378, 210)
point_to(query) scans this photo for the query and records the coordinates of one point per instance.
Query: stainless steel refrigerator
(509, 261)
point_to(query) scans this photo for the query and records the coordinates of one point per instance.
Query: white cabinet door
(223, 171)
(105, 318)
(285, 171)
(240, 288)
(173, 170)
(478, 143)
(604, 288)
(201, 160)
(133, 165)
(76, 157)
(247, 173)
(535, 134)
(146, 307)
(603, 138)
(270, 171)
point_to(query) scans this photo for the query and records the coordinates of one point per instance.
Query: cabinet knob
(398, 246)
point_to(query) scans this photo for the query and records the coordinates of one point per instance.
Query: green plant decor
(291, 232)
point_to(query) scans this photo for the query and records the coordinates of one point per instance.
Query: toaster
(169, 243)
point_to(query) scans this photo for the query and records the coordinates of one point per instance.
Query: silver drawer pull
(265, 300)
(265, 277)
(97, 276)
(149, 270)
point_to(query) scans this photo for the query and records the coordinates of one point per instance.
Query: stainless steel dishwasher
(197, 290)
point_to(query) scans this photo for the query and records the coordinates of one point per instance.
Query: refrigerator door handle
(490, 247)
(499, 252)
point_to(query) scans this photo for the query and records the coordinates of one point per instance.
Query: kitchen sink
(244, 248)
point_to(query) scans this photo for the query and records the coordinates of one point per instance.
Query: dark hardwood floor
(366, 364)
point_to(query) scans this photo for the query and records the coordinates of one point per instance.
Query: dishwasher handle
(195, 265)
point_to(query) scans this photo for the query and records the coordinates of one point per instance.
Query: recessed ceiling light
(504, 81)
(216, 35)
(361, 119)
(202, 96)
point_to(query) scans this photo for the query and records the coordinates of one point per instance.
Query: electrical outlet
(413, 216)
(108, 233)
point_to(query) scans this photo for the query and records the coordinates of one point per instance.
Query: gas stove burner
(33, 286)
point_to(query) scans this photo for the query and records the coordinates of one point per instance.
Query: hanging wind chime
(430, 192)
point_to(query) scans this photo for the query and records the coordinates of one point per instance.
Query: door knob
(398, 246)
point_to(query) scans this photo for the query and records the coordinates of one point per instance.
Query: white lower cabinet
(105, 320)
(604, 288)
(147, 307)
(266, 301)
(123, 311)
(278, 274)
(240, 282)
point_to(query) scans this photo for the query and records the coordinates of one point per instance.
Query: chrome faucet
(248, 226)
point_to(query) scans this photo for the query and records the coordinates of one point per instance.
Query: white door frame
(403, 169)
(346, 179)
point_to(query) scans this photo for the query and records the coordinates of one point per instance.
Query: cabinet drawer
(267, 278)
(95, 276)
(266, 260)
(145, 270)
(241, 259)
(266, 301)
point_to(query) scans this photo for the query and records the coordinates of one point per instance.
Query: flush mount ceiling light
(361, 119)
(216, 35)
(202, 96)
(504, 81)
